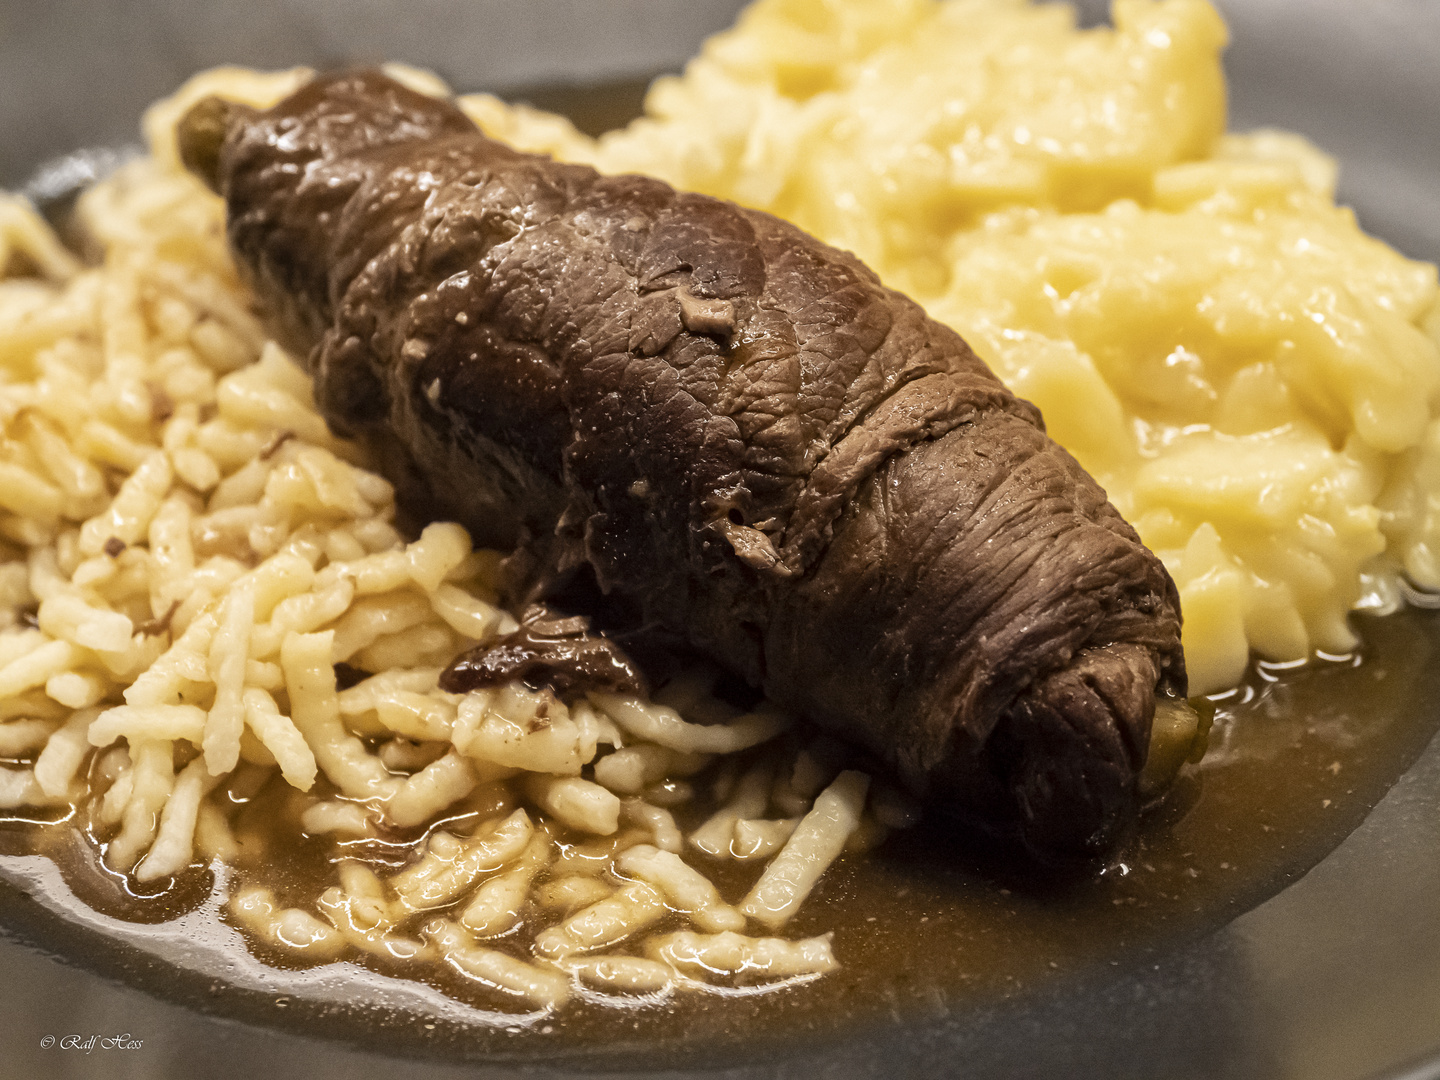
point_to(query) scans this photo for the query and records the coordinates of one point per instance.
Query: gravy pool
(1297, 758)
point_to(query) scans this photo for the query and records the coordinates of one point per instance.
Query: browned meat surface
(550, 650)
(738, 428)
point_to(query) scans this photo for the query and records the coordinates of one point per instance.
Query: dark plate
(1335, 978)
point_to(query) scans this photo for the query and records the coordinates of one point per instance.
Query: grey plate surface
(1336, 978)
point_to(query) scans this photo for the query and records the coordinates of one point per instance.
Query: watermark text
(88, 1044)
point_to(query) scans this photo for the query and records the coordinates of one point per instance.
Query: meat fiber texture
(738, 429)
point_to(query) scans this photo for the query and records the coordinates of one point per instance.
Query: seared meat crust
(737, 427)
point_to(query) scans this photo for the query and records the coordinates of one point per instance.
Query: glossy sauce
(924, 923)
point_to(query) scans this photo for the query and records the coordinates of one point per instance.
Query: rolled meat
(737, 428)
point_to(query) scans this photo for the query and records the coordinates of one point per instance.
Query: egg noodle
(192, 563)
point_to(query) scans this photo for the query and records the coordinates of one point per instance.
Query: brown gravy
(1297, 759)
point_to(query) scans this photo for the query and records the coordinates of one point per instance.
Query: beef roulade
(736, 427)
